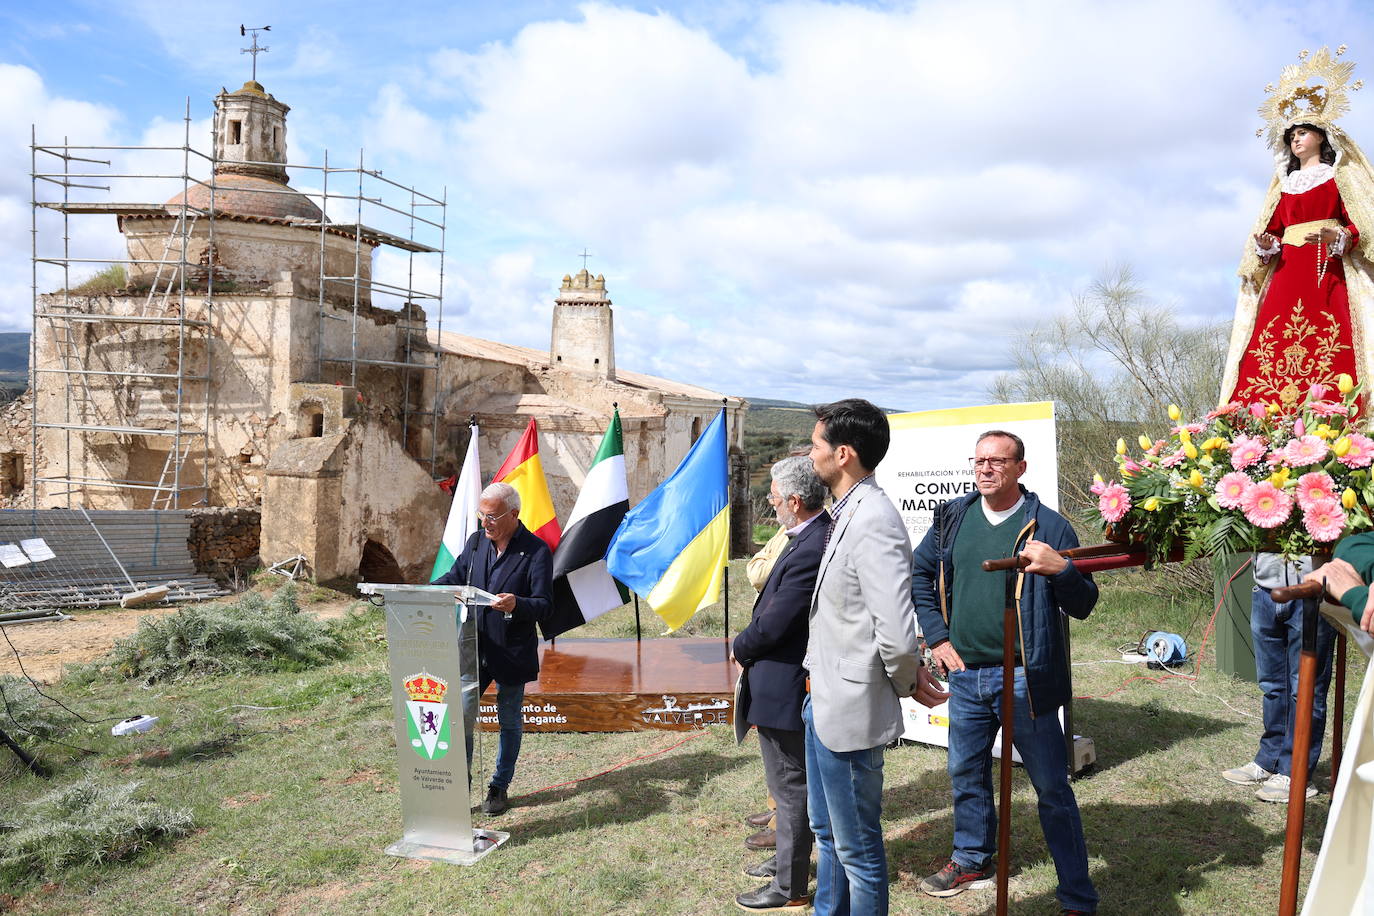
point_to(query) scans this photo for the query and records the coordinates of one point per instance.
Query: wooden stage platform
(620, 685)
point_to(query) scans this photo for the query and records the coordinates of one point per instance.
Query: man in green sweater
(1348, 576)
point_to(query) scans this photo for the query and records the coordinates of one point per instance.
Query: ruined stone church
(245, 363)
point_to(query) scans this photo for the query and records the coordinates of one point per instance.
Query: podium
(434, 705)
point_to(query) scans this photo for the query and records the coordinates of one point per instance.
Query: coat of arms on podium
(428, 720)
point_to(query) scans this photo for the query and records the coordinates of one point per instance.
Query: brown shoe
(762, 819)
(764, 839)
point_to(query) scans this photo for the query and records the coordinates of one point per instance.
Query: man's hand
(505, 603)
(947, 657)
(1044, 559)
(1339, 575)
(928, 692)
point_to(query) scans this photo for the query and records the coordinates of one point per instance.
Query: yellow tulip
(1174, 412)
(1348, 498)
(1341, 446)
(1145, 441)
(1184, 436)
(1121, 446)
(1150, 504)
(1323, 432)
(1097, 478)
(1345, 383)
(1280, 477)
(1190, 450)
(1272, 409)
(1195, 479)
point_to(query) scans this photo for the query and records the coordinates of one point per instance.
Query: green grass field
(290, 779)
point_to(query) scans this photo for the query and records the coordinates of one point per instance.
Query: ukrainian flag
(672, 548)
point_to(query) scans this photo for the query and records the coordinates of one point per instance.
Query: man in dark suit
(505, 558)
(771, 649)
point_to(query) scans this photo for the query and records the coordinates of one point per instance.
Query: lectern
(431, 645)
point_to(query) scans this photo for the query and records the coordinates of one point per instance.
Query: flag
(462, 515)
(523, 470)
(672, 548)
(582, 588)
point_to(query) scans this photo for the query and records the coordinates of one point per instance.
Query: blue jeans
(975, 697)
(1277, 634)
(509, 700)
(844, 794)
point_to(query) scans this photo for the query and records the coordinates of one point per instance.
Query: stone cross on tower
(256, 49)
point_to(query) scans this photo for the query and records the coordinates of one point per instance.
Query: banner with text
(928, 461)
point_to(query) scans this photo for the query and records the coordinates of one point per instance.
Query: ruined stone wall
(16, 471)
(261, 345)
(224, 539)
(249, 256)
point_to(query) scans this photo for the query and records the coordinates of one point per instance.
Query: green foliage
(25, 712)
(105, 283)
(251, 634)
(80, 824)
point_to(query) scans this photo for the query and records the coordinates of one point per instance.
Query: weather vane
(256, 49)
(584, 256)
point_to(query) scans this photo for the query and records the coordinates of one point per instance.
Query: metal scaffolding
(71, 322)
(71, 182)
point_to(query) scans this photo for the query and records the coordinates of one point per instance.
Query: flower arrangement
(1246, 477)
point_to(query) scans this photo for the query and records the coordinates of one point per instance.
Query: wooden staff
(1093, 558)
(1310, 590)
(1007, 713)
(1302, 742)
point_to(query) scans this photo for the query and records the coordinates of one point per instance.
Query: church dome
(251, 197)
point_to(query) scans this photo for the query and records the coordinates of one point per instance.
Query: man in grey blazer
(862, 657)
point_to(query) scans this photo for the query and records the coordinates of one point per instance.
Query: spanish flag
(672, 548)
(523, 470)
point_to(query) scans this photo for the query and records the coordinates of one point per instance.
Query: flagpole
(638, 635)
(727, 602)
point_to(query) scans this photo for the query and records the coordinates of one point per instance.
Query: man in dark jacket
(771, 649)
(960, 610)
(504, 558)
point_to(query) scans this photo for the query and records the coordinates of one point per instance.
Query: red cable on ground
(623, 763)
(1170, 677)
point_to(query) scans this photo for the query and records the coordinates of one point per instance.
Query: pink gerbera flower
(1266, 505)
(1114, 502)
(1315, 486)
(1224, 410)
(1097, 487)
(1361, 452)
(1327, 409)
(1231, 490)
(1324, 520)
(1173, 459)
(1245, 451)
(1303, 451)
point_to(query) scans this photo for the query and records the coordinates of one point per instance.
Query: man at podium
(508, 560)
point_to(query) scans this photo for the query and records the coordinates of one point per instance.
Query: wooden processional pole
(1007, 715)
(1311, 595)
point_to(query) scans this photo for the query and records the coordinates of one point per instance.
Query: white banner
(928, 461)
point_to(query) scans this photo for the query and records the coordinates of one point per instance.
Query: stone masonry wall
(222, 538)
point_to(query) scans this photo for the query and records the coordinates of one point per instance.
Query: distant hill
(14, 352)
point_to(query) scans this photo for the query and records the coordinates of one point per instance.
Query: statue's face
(1306, 142)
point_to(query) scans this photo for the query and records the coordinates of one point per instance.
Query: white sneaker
(1275, 789)
(1252, 774)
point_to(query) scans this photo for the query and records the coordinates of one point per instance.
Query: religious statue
(1307, 274)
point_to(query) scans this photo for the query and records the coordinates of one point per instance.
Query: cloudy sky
(796, 200)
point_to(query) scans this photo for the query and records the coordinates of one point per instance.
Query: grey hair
(797, 477)
(509, 496)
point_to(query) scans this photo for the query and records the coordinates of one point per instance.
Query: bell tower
(250, 133)
(583, 330)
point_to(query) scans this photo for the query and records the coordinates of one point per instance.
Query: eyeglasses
(995, 464)
(483, 518)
